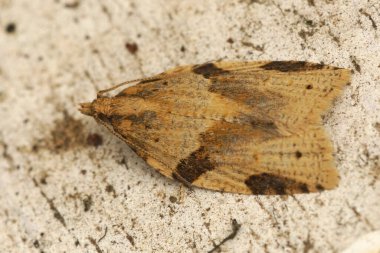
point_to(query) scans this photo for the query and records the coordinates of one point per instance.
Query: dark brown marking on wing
(116, 119)
(208, 69)
(144, 91)
(146, 118)
(266, 183)
(224, 136)
(103, 117)
(304, 188)
(264, 124)
(291, 66)
(238, 90)
(298, 154)
(150, 80)
(261, 184)
(140, 94)
(194, 165)
(179, 178)
(319, 187)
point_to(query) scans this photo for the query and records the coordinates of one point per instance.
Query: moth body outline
(243, 127)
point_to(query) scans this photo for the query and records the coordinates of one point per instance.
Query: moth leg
(186, 183)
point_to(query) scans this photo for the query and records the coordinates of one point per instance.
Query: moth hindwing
(243, 127)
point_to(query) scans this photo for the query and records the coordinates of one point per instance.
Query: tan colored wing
(246, 127)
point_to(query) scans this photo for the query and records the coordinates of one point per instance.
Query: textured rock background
(69, 185)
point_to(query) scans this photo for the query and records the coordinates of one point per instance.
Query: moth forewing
(243, 127)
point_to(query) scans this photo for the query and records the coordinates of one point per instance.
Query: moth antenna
(100, 93)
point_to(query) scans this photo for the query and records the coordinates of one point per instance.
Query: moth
(241, 127)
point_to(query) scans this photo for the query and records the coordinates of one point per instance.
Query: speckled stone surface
(68, 185)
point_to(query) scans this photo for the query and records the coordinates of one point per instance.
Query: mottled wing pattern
(245, 127)
(286, 149)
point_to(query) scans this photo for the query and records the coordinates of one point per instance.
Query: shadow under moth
(242, 127)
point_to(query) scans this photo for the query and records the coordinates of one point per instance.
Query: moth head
(99, 108)
(86, 109)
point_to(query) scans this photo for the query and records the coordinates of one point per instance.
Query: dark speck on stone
(173, 199)
(10, 28)
(72, 5)
(87, 203)
(36, 244)
(132, 47)
(230, 40)
(94, 140)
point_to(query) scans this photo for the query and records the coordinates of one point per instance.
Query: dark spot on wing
(266, 183)
(291, 66)
(298, 154)
(319, 187)
(304, 188)
(194, 165)
(309, 87)
(208, 69)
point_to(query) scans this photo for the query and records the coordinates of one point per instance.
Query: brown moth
(243, 127)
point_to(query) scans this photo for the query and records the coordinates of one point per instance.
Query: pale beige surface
(58, 193)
